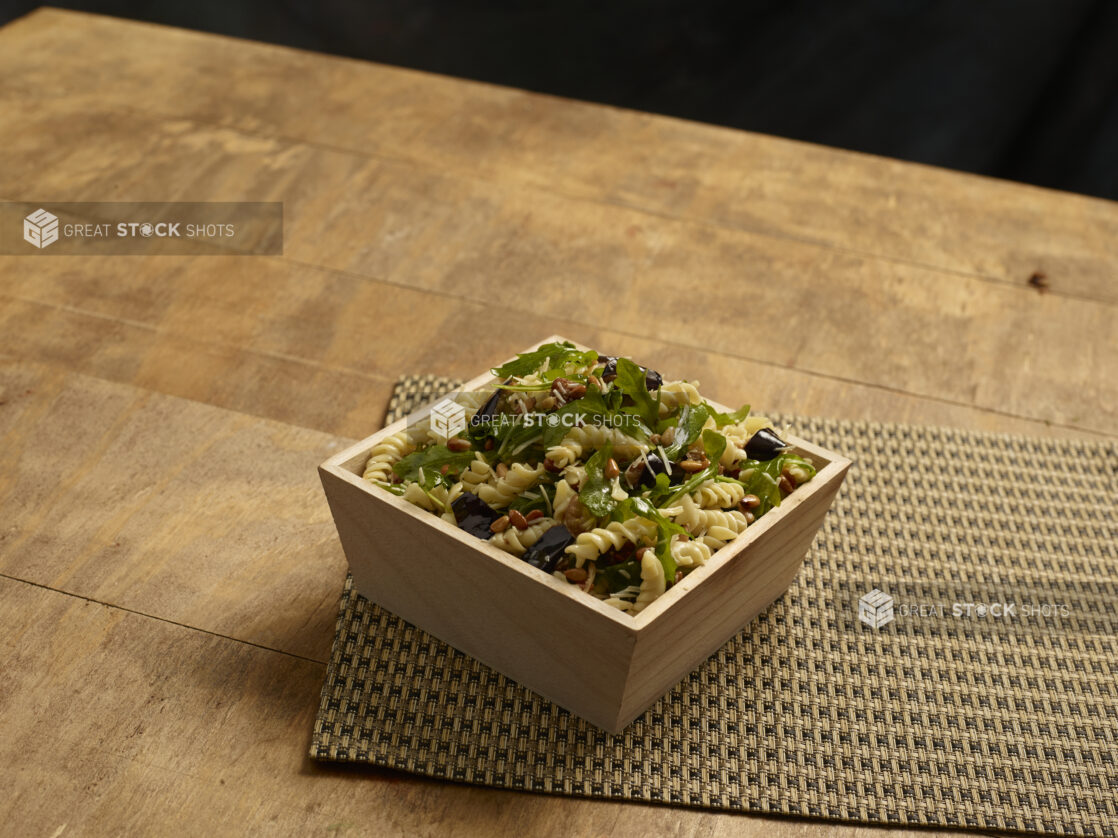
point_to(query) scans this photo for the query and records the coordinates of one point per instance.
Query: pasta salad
(595, 469)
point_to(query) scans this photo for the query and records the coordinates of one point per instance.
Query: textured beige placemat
(1003, 722)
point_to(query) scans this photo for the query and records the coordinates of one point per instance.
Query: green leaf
(610, 580)
(557, 365)
(431, 460)
(515, 443)
(394, 488)
(687, 429)
(556, 428)
(758, 481)
(761, 478)
(539, 497)
(596, 493)
(731, 418)
(665, 529)
(593, 408)
(547, 357)
(714, 444)
(631, 382)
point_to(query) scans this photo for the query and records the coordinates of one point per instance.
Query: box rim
(834, 470)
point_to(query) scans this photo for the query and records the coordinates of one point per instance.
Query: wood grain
(856, 203)
(186, 350)
(464, 239)
(165, 506)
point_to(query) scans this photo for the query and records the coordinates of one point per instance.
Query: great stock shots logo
(448, 419)
(875, 609)
(40, 228)
(147, 228)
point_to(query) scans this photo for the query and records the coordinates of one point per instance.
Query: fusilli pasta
(675, 394)
(517, 541)
(385, 454)
(518, 478)
(590, 545)
(476, 474)
(716, 495)
(591, 437)
(653, 583)
(689, 552)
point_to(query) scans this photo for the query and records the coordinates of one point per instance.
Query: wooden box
(602, 664)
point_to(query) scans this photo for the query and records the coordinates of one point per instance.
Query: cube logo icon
(40, 228)
(448, 419)
(875, 609)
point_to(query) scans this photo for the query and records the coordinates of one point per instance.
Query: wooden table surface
(168, 568)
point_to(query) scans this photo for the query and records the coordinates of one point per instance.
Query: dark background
(1019, 89)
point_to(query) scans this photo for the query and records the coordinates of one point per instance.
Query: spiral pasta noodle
(564, 494)
(590, 545)
(675, 394)
(476, 474)
(385, 454)
(690, 552)
(502, 491)
(472, 400)
(591, 437)
(437, 500)
(517, 541)
(715, 495)
(699, 521)
(653, 583)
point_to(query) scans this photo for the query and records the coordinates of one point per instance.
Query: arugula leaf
(731, 418)
(610, 580)
(527, 363)
(431, 460)
(631, 382)
(687, 429)
(596, 493)
(758, 481)
(516, 441)
(714, 444)
(593, 404)
(525, 388)
(537, 498)
(762, 478)
(394, 488)
(665, 529)
(658, 491)
(497, 426)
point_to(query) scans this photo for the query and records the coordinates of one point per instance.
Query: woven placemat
(1005, 721)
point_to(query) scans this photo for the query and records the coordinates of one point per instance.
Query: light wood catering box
(600, 663)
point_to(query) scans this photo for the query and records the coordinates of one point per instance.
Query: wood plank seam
(265, 353)
(465, 299)
(736, 356)
(127, 610)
